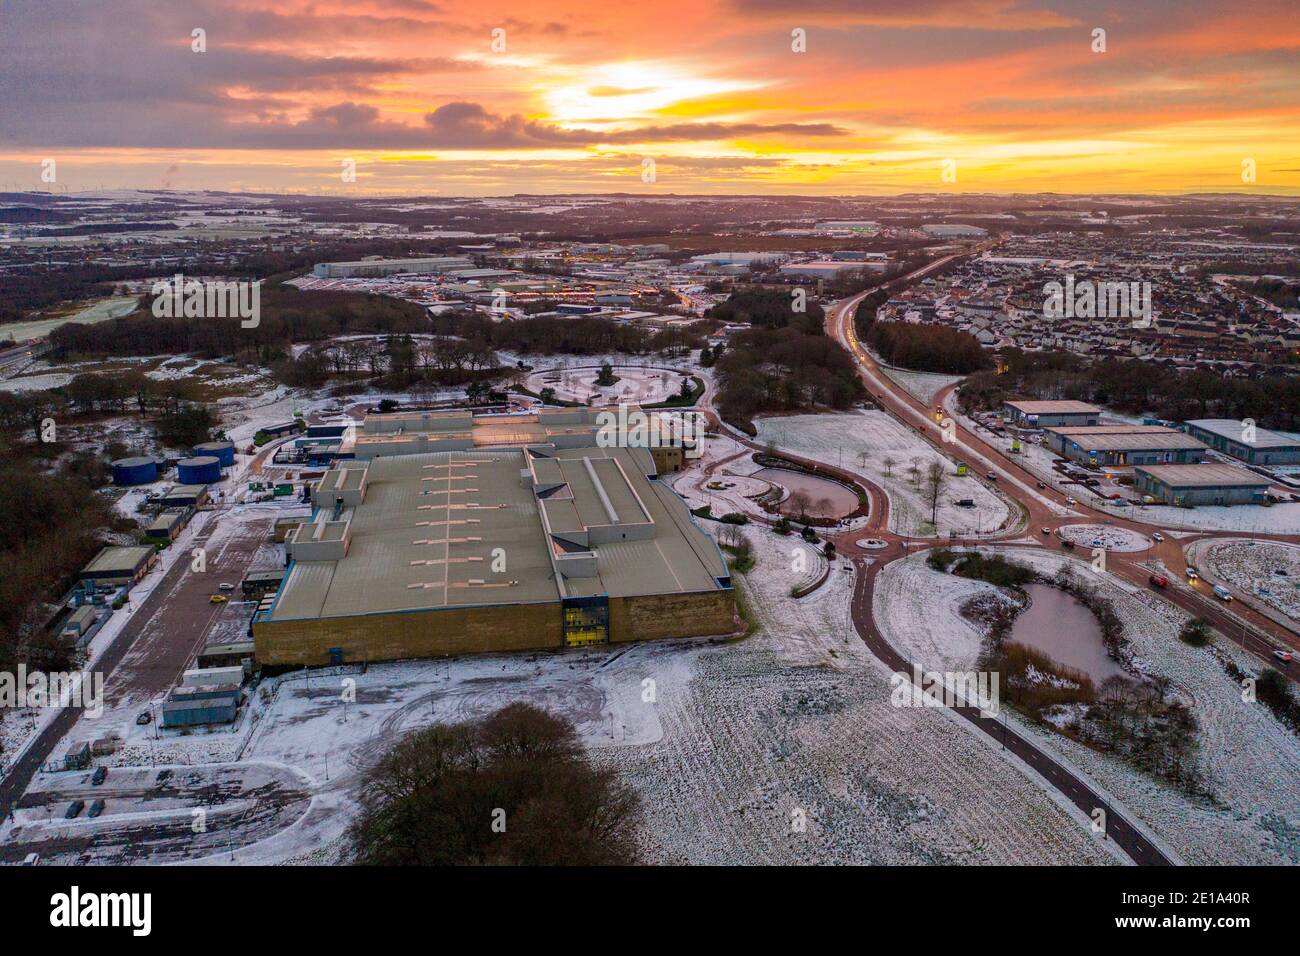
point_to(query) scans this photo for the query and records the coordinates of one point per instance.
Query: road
(147, 657)
(1047, 506)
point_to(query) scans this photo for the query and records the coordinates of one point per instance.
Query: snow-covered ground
(1283, 518)
(1251, 568)
(862, 440)
(729, 743)
(797, 718)
(921, 385)
(634, 386)
(1105, 536)
(1251, 763)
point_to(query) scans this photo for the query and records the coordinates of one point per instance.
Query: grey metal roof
(1209, 475)
(428, 529)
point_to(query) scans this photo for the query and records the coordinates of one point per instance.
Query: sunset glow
(572, 96)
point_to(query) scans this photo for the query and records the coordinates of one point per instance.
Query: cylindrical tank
(223, 451)
(202, 470)
(134, 471)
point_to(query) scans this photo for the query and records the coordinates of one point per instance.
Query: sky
(483, 97)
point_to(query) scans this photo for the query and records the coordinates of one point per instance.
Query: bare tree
(888, 461)
(935, 477)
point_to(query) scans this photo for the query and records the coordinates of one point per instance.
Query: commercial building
(1032, 414)
(1255, 446)
(119, 565)
(954, 230)
(1208, 484)
(511, 542)
(829, 268)
(1098, 445)
(388, 267)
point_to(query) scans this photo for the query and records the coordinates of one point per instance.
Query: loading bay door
(586, 621)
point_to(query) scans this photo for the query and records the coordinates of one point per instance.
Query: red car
(1159, 581)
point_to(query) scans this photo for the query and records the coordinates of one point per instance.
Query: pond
(825, 498)
(1060, 626)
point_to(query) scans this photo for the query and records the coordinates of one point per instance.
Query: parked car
(1192, 575)
(74, 809)
(31, 859)
(1222, 593)
(96, 809)
(1046, 530)
(1159, 581)
(1157, 537)
(99, 776)
(991, 476)
(143, 717)
(1041, 486)
(1070, 501)
(1286, 657)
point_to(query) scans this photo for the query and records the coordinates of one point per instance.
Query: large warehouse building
(507, 543)
(388, 267)
(1099, 445)
(1257, 446)
(1036, 414)
(1208, 484)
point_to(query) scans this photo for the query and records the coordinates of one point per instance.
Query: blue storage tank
(134, 471)
(222, 451)
(202, 470)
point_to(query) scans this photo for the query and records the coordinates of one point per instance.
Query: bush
(940, 558)
(734, 517)
(1195, 632)
(994, 569)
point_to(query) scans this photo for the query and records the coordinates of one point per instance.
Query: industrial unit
(1207, 484)
(1098, 445)
(387, 267)
(119, 565)
(1255, 446)
(1035, 414)
(505, 544)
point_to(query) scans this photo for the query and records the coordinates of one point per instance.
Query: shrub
(1195, 632)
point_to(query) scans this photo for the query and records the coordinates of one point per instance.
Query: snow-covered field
(1251, 763)
(921, 385)
(797, 718)
(1252, 567)
(848, 437)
